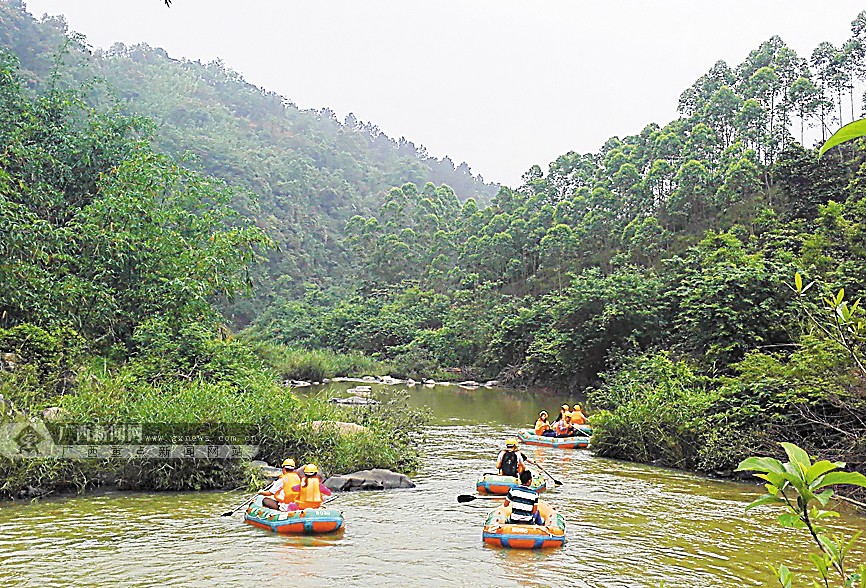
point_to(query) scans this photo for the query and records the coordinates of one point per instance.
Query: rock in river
(354, 401)
(369, 480)
(360, 390)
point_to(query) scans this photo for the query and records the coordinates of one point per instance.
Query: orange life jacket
(310, 495)
(578, 418)
(286, 494)
(541, 426)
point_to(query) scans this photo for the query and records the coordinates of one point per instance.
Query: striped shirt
(522, 500)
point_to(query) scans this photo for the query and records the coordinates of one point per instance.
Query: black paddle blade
(469, 498)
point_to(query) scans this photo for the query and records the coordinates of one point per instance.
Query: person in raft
(542, 427)
(310, 489)
(564, 428)
(510, 461)
(524, 502)
(280, 494)
(577, 416)
(562, 410)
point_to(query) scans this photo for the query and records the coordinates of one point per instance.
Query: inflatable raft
(499, 532)
(530, 438)
(300, 522)
(500, 485)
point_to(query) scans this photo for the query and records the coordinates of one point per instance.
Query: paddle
(583, 431)
(332, 498)
(544, 471)
(229, 513)
(461, 498)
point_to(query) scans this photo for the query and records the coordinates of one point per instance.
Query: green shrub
(653, 409)
(275, 419)
(191, 350)
(810, 396)
(314, 365)
(47, 359)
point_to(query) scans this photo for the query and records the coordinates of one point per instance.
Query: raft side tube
(309, 521)
(500, 485)
(530, 438)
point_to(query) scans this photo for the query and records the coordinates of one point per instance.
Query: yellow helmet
(576, 407)
(564, 407)
(311, 469)
(289, 463)
(511, 442)
(567, 416)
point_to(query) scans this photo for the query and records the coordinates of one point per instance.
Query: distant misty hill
(309, 171)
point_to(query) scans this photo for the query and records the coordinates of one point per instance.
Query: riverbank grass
(212, 386)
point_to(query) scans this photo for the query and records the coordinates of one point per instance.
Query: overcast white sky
(500, 84)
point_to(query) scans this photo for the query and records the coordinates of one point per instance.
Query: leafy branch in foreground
(844, 321)
(851, 131)
(801, 488)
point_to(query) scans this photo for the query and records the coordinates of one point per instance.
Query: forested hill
(309, 171)
(658, 271)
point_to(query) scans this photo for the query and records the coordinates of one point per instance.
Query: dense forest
(657, 275)
(300, 173)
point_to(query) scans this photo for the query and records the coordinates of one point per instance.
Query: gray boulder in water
(267, 470)
(369, 480)
(354, 401)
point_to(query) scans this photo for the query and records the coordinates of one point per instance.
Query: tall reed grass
(314, 365)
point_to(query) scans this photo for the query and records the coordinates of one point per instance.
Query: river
(627, 525)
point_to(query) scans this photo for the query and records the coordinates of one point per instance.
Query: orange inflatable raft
(499, 532)
(574, 442)
(496, 484)
(302, 522)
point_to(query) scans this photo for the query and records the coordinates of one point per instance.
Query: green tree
(804, 97)
(100, 232)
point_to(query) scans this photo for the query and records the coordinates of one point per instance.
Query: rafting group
(567, 424)
(293, 502)
(523, 521)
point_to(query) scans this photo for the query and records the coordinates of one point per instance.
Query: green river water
(627, 525)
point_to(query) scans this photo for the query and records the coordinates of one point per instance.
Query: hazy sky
(500, 84)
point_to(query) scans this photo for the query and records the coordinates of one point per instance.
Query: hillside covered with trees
(300, 173)
(657, 273)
